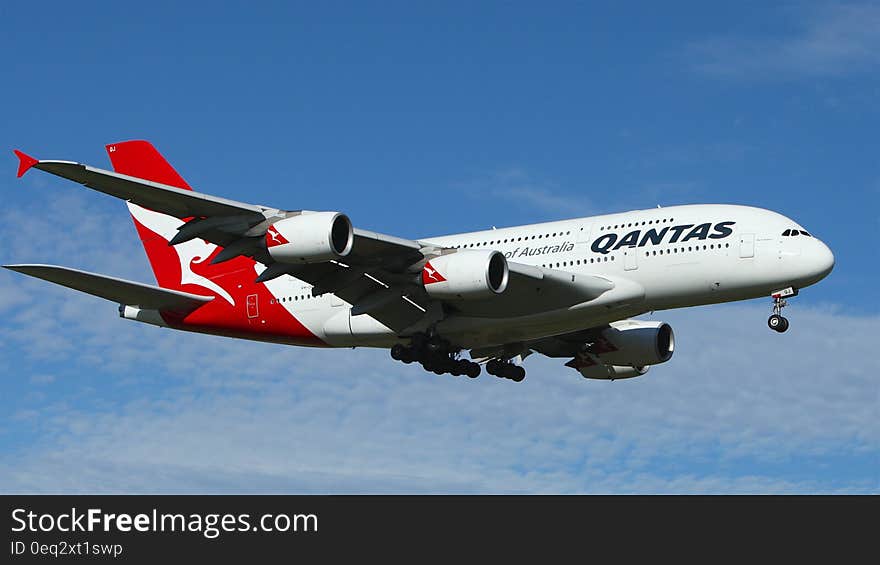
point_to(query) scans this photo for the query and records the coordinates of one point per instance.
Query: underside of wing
(532, 290)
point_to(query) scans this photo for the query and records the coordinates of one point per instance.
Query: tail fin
(140, 159)
(242, 307)
(184, 264)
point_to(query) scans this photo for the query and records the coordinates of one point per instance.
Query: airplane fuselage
(658, 259)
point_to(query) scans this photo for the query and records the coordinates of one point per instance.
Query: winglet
(25, 162)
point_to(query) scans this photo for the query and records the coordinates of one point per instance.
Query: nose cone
(821, 261)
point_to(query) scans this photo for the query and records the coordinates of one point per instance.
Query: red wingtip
(25, 162)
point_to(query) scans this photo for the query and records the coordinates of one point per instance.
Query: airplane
(566, 289)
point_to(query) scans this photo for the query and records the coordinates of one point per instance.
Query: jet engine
(635, 343)
(466, 275)
(311, 237)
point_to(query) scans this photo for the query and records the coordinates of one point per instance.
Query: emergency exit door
(252, 306)
(746, 245)
(630, 259)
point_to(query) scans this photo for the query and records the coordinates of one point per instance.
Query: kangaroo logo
(274, 237)
(430, 275)
(190, 253)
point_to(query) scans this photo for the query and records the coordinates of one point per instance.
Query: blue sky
(419, 120)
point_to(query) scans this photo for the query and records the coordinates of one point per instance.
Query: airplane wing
(537, 289)
(117, 290)
(378, 277)
(376, 263)
(229, 220)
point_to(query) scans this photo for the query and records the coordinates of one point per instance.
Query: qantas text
(610, 242)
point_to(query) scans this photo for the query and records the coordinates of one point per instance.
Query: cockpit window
(786, 233)
(794, 232)
(805, 233)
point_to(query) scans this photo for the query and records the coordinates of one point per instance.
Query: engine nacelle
(311, 237)
(612, 372)
(466, 275)
(635, 343)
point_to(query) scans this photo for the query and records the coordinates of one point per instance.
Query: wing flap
(125, 292)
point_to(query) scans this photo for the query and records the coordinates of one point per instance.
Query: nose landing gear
(776, 321)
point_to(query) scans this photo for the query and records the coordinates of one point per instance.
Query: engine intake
(466, 275)
(311, 237)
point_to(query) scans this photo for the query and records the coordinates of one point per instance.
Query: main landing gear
(776, 321)
(505, 370)
(435, 354)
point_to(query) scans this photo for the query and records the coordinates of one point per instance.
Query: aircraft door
(583, 240)
(630, 259)
(252, 306)
(746, 245)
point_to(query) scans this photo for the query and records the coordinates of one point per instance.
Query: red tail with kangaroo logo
(241, 307)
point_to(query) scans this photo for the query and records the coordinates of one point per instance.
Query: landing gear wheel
(778, 323)
(398, 352)
(517, 374)
(783, 326)
(494, 367)
(473, 370)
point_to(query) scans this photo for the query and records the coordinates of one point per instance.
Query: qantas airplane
(566, 289)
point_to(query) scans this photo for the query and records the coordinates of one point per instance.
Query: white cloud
(832, 40)
(522, 190)
(354, 421)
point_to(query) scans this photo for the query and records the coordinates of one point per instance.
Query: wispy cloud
(520, 189)
(832, 40)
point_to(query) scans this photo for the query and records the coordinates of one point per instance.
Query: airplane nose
(823, 260)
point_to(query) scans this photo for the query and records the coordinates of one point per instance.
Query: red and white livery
(566, 289)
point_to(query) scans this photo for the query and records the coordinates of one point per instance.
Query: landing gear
(505, 370)
(436, 356)
(776, 321)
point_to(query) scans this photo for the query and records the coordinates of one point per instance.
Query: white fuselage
(658, 259)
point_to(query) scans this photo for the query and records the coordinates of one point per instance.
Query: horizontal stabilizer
(118, 290)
